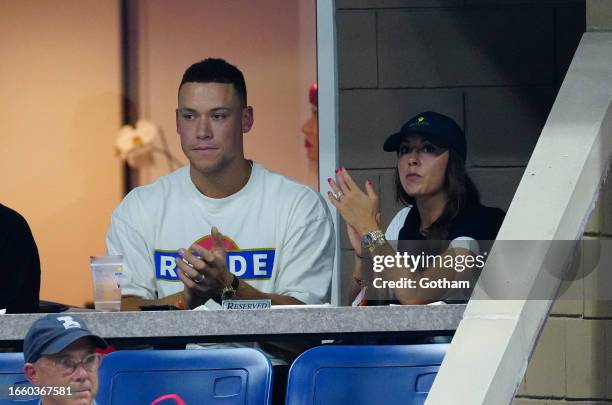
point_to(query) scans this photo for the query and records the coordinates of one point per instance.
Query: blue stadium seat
(11, 374)
(210, 376)
(369, 374)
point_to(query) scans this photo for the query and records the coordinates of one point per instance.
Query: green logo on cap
(420, 122)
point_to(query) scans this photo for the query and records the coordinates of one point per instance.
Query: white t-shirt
(278, 233)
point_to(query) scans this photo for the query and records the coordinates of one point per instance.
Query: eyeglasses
(69, 365)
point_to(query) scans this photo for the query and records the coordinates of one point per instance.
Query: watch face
(366, 240)
(228, 294)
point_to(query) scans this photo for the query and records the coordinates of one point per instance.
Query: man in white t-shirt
(222, 225)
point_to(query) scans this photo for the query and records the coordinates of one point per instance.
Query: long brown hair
(460, 190)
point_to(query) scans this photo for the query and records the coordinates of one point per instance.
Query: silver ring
(338, 195)
(200, 277)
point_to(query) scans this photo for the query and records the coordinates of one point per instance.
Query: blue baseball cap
(443, 131)
(53, 333)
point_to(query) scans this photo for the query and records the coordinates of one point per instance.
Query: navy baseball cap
(53, 333)
(443, 131)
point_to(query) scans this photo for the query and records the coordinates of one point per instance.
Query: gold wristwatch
(373, 239)
(229, 293)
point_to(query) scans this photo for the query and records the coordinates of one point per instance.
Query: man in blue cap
(61, 359)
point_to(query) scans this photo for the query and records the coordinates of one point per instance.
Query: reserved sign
(246, 305)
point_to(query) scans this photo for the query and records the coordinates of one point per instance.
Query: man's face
(210, 120)
(76, 367)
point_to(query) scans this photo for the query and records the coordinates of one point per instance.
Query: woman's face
(422, 167)
(311, 130)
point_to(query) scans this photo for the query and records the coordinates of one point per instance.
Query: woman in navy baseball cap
(441, 204)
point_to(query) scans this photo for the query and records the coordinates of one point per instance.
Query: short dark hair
(461, 193)
(214, 70)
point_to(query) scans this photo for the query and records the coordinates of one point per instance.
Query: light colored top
(278, 233)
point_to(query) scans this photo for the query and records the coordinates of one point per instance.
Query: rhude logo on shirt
(246, 264)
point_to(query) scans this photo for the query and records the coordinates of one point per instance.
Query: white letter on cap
(69, 322)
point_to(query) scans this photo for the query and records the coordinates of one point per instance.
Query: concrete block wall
(494, 66)
(599, 15)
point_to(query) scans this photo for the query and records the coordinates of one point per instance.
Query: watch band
(235, 282)
(229, 293)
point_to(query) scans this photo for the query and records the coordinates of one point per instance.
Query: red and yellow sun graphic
(207, 243)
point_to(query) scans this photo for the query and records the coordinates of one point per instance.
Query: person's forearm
(361, 274)
(416, 295)
(133, 303)
(405, 296)
(248, 292)
(245, 292)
